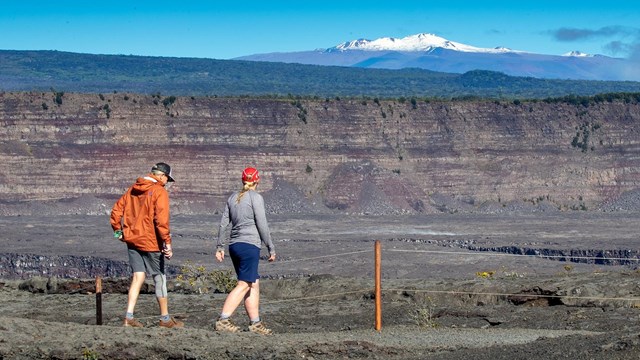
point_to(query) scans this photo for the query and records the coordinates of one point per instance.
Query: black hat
(165, 168)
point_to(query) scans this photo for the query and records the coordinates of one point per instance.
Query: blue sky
(228, 29)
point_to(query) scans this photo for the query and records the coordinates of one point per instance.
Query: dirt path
(441, 298)
(416, 325)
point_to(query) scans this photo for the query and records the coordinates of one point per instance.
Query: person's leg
(245, 262)
(161, 294)
(231, 303)
(134, 290)
(154, 262)
(245, 258)
(137, 265)
(235, 297)
(163, 304)
(252, 305)
(252, 302)
(249, 271)
(165, 319)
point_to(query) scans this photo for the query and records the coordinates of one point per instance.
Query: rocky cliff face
(76, 153)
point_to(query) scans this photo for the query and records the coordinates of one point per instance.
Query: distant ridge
(432, 52)
(87, 73)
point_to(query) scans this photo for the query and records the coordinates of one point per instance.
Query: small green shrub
(198, 279)
(88, 354)
(107, 110)
(223, 280)
(423, 315)
(168, 101)
(302, 112)
(485, 274)
(58, 97)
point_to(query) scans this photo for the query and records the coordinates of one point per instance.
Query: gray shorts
(144, 261)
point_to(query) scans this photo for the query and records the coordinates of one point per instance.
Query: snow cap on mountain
(418, 42)
(577, 54)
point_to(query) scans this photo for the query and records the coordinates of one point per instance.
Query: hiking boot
(226, 326)
(172, 323)
(132, 323)
(259, 328)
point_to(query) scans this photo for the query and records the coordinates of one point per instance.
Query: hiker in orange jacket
(140, 218)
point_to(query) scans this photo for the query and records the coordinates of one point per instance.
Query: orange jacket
(142, 214)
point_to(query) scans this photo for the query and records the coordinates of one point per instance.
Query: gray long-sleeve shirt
(248, 220)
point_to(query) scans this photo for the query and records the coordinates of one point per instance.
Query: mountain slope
(430, 52)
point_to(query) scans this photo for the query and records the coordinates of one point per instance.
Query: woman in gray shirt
(249, 229)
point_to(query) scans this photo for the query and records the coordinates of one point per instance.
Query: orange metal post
(98, 300)
(378, 280)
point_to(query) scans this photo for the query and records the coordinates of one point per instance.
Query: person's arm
(262, 224)
(161, 221)
(117, 212)
(222, 232)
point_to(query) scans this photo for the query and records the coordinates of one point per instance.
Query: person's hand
(272, 258)
(118, 235)
(168, 252)
(220, 255)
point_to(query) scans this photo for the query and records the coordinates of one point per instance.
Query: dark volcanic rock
(22, 266)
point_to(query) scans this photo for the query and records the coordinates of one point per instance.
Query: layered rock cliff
(76, 153)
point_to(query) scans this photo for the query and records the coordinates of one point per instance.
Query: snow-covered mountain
(418, 42)
(431, 52)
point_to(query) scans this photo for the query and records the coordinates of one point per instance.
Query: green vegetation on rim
(42, 70)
